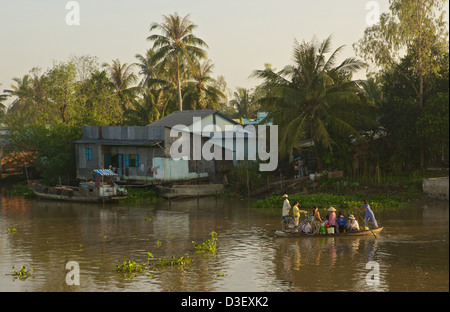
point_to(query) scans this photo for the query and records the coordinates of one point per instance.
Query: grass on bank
(141, 195)
(340, 202)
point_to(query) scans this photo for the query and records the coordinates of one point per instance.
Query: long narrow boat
(103, 192)
(190, 191)
(280, 233)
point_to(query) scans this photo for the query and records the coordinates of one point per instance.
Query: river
(411, 254)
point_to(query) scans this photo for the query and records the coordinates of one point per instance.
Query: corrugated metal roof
(185, 118)
(119, 142)
(105, 172)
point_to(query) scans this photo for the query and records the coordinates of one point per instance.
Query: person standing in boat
(296, 213)
(369, 214)
(332, 221)
(317, 221)
(286, 207)
(352, 225)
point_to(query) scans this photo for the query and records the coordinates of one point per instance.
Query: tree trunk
(422, 140)
(180, 99)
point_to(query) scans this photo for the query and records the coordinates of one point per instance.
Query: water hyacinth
(322, 200)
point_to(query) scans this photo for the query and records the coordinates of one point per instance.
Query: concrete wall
(436, 187)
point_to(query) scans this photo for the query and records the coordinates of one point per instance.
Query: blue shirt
(341, 220)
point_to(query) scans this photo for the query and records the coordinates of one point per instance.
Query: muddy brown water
(411, 254)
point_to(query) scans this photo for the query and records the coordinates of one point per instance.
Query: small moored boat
(190, 190)
(97, 191)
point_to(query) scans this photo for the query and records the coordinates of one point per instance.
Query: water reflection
(412, 254)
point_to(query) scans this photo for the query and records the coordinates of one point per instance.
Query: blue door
(120, 165)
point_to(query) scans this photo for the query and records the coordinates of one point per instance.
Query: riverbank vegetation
(325, 201)
(396, 122)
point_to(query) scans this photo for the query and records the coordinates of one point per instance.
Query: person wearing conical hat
(332, 219)
(352, 224)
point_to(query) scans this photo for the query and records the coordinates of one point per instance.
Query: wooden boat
(281, 233)
(86, 192)
(190, 191)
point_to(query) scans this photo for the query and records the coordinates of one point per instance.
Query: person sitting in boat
(352, 225)
(306, 228)
(341, 222)
(286, 207)
(317, 221)
(332, 222)
(325, 223)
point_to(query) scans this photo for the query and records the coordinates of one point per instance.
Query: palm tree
(314, 98)
(147, 67)
(3, 98)
(177, 46)
(245, 102)
(123, 78)
(30, 99)
(150, 108)
(201, 91)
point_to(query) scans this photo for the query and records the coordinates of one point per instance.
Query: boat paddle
(365, 225)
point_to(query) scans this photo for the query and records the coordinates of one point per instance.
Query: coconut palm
(3, 98)
(244, 101)
(150, 108)
(29, 97)
(201, 91)
(124, 79)
(147, 67)
(177, 45)
(314, 98)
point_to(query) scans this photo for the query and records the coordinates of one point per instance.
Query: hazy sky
(242, 35)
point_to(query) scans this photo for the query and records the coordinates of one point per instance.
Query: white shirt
(286, 207)
(353, 225)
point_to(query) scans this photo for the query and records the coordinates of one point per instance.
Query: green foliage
(21, 189)
(315, 98)
(179, 263)
(23, 273)
(434, 125)
(131, 268)
(52, 148)
(325, 201)
(142, 196)
(210, 245)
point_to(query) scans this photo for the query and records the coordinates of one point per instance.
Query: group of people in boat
(315, 224)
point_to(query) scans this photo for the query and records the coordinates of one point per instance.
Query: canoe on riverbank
(280, 233)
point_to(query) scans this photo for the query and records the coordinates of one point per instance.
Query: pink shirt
(332, 219)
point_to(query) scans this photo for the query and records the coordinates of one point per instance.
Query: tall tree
(3, 98)
(177, 45)
(28, 97)
(124, 79)
(415, 28)
(314, 98)
(244, 102)
(201, 91)
(147, 67)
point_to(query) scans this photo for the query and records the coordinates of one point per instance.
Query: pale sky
(242, 35)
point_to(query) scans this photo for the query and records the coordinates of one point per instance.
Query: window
(131, 160)
(88, 152)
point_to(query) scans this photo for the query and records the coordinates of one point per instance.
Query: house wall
(155, 162)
